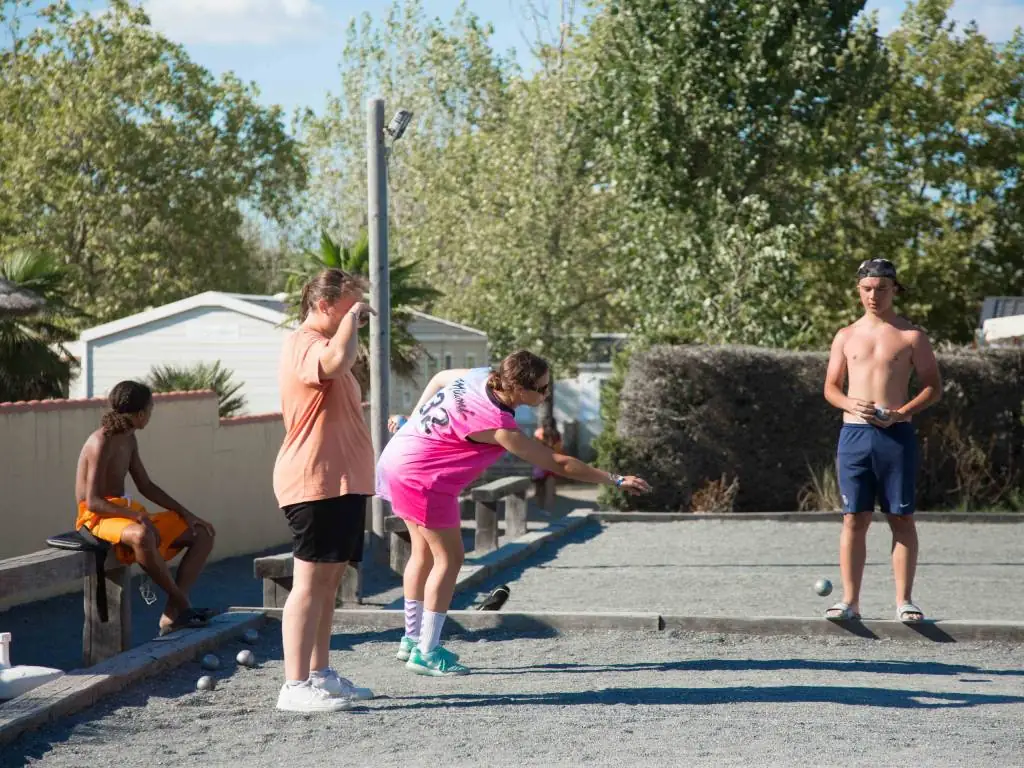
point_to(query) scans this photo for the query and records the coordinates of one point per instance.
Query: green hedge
(688, 415)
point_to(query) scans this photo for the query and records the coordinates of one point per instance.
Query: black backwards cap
(879, 268)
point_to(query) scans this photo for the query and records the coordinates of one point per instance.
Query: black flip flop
(190, 619)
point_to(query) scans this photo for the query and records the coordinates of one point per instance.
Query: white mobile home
(1002, 321)
(245, 334)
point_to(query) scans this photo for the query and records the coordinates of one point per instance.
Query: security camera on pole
(380, 289)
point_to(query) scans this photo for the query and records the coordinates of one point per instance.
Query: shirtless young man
(111, 453)
(877, 454)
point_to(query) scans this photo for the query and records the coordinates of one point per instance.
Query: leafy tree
(130, 162)
(200, 376)
(937, 187)
(34, 362)
(450, 78)
(704, 172)
(492, 191)
(735, 279)
(525, 231)
(732, 98)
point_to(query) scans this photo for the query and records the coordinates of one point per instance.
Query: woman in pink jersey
(462, 424)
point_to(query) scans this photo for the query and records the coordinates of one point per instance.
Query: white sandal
(906, 608)
(846, 613)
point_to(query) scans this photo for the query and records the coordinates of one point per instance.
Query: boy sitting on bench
(111, 453)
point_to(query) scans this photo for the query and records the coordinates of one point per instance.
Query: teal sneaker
(440, 662)
(406, 645)
(405, 648)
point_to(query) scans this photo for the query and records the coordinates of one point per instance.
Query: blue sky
(291, 48)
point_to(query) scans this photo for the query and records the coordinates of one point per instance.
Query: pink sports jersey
(431, 455)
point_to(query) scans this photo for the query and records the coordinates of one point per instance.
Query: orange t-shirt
(327, 451)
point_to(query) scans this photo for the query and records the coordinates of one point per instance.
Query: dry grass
(821, 494)
(982, 479)
(716, 496)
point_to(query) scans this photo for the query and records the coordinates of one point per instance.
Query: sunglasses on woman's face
(542, 390)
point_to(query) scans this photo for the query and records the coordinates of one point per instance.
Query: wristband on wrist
(617, 480)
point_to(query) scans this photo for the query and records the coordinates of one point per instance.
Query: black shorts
(328, 530)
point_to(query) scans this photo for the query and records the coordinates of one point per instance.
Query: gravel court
(605, 699)
(765, 568)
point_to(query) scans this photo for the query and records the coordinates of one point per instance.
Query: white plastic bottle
(15, 681)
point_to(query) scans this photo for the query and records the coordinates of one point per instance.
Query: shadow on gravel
(509, 575)
(347, 641)
(765, 665)
(893, 698)
(508, 628)
(931, 631)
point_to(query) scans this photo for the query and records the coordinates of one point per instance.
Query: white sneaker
(339, 687)
(309, 698)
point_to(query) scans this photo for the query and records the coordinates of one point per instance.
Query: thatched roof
(18, 301)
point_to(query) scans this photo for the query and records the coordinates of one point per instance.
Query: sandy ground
(595, 699)
(601, 698)
(756, 568)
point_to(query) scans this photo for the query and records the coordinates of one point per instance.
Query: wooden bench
(546, 500)
(102, 636)
(512, 492)
(484, 501)
(276, 573)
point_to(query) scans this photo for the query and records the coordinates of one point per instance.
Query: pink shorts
(429, 509)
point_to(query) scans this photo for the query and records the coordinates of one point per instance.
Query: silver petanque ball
(246, 658)
(250, 636)
(823, 587)
(210, 661)
(205, 683)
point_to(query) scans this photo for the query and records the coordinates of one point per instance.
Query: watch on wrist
(617, 480)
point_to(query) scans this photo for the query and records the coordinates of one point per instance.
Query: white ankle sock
(413, 618)
(430, 632)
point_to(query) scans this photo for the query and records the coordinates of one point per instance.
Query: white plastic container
(15, 681)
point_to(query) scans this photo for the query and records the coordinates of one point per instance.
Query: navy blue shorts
(877, 463)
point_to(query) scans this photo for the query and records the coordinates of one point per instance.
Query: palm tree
(407, 294)
(172, 378)
(16, 301)
(35, 324)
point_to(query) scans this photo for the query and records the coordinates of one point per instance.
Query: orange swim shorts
(170, 525)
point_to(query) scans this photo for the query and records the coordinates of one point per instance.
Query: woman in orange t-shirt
(322, 479)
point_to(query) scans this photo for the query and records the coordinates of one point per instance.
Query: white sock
(430, 632)
(295, 683)
(318, 672)
(413, 618)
